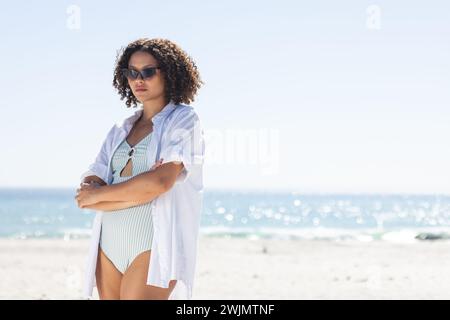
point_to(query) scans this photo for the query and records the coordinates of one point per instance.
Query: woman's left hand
(87, 194)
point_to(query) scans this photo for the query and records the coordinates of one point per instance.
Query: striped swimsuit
(126, 233)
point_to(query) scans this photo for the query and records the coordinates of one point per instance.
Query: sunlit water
(52, 213)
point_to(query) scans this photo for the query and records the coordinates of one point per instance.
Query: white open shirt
(176, 213)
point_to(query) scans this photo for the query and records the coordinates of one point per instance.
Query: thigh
(134, 282)
(108, 278)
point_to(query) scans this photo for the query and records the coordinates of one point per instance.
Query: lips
(141, 89)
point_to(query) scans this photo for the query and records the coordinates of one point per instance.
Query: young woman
(146, 182)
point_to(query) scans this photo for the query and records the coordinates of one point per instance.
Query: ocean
(53, 213)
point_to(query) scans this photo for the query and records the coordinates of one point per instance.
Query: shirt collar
(128, 122)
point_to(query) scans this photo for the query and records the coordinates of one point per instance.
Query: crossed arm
(137, 190)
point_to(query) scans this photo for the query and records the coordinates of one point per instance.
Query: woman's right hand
(90, 179)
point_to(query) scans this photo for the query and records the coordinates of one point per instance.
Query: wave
(411, 235)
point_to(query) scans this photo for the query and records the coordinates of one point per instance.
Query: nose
(139, 79)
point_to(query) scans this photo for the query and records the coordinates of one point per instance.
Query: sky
(302, 96)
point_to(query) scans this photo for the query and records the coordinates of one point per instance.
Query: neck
(152, 107)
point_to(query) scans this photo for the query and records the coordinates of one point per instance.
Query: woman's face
(146, 89)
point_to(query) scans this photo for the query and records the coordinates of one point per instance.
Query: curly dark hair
(182, 79)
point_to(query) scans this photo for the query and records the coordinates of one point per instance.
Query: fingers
(157, 164)
(88, 186)
(85, 186)
(76, 197)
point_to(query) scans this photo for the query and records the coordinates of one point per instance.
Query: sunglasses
(134, 74)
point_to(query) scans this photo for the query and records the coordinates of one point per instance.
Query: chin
(143, 99)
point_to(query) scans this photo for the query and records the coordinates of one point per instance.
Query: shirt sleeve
(99, 167)
(185, 143)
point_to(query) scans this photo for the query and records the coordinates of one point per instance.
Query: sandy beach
(231, 268)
